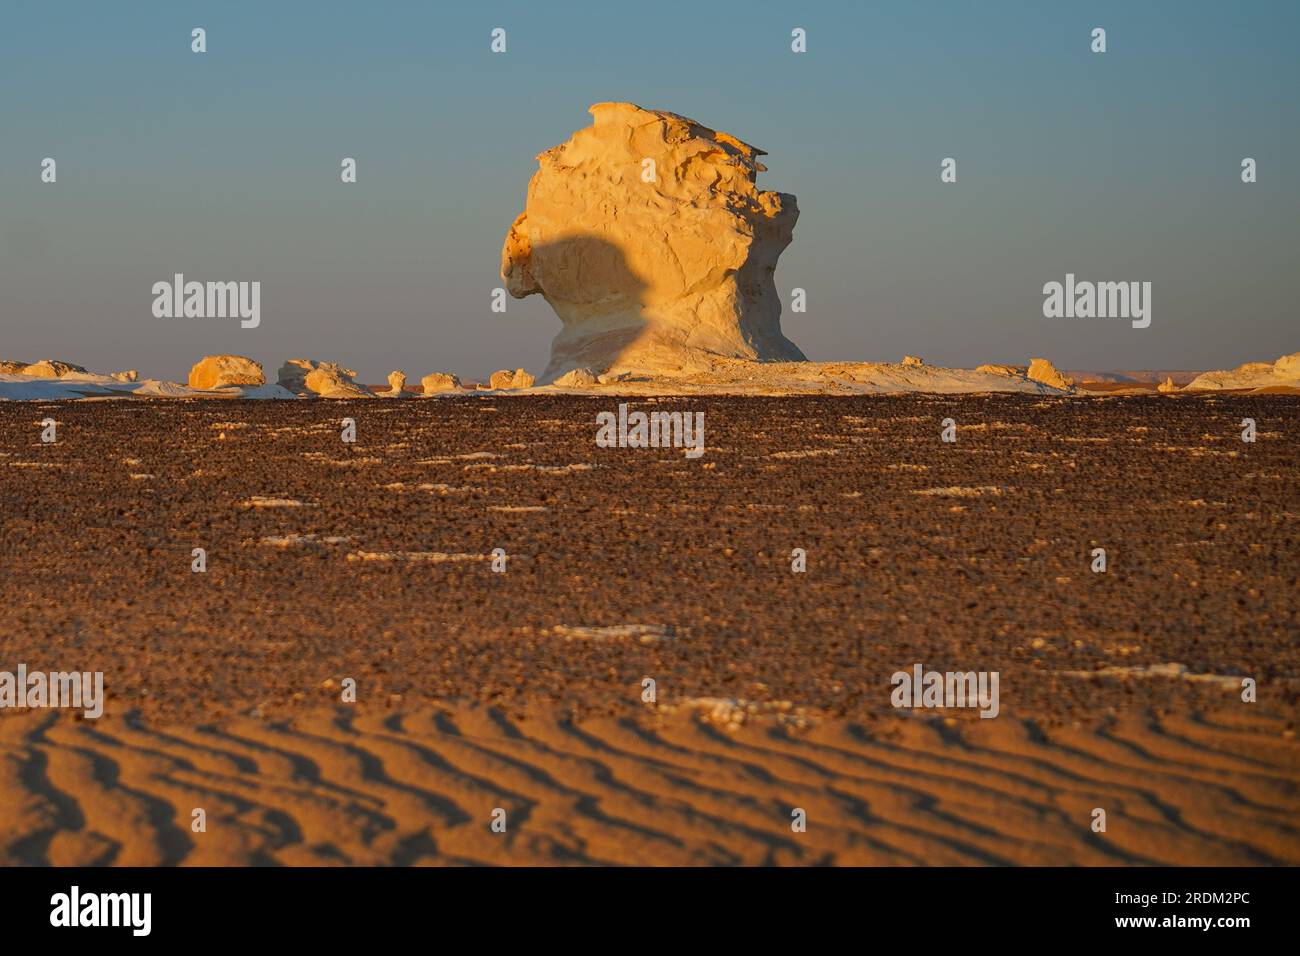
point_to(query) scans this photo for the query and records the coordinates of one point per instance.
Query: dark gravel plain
(989, 572)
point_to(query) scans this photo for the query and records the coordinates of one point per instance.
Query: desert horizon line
(226, 375)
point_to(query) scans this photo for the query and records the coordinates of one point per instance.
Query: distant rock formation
(49, 368)
(994, 369)
(1167, 386)
(577, 378)
(130, 375)
(396, 384)
(1285, 373)
(508, 379)
(9, 367)
(326, 379)
(1142, 376)
(647, 235)
(440, 382)
(913, 360)
(1038, 370)
(1041, 370)
(220, 371)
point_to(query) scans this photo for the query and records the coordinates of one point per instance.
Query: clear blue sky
(1122, 166)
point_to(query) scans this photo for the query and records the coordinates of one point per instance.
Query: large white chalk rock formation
(647, 235)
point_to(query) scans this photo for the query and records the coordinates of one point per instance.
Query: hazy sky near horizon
(1119, 166)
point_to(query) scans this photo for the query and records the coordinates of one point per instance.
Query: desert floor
(523, 690)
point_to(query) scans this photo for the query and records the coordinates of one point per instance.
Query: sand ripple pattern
(419, 787)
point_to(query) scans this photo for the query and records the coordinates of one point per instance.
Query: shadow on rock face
(599, 298)
(614, 321)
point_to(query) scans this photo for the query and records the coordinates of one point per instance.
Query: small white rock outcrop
(440, 382)
(220, 371)
(326, 379)
(508, 379)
